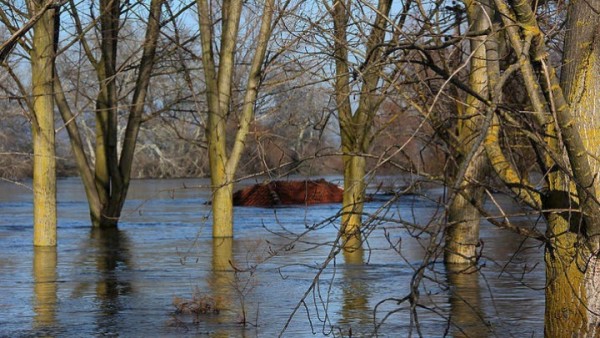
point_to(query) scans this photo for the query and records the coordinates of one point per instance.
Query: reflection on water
(466, 310)
(123, 281)
(45, 286)
(356, 312)
(107, 252)
(111, 248)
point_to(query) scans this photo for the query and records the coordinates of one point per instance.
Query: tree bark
(356, 126)
(353, 200)
(573, 275)
(462, 233)
(44, 161)
(218, 80)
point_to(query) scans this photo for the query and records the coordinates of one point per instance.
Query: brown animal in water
(276, 193)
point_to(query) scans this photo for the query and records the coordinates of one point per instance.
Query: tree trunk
(222, 207)
(462, 233)
(354, 197)
(222, 277)
(581, 86)
(565, 315)
(356, 127)
(44, 160)
(106, 185)
(218, 93)
(572, 272)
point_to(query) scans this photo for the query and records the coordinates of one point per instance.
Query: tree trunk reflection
(44, 287)
(466, 313)
(356, 314)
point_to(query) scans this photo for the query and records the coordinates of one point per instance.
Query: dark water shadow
(113, 257)
(107, 254)
(467, 317)
(44, 288)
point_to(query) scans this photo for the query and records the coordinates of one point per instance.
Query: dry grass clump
(200, 304)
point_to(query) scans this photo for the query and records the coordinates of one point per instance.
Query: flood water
(281, 274)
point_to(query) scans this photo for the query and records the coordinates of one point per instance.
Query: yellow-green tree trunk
(462, 233)
(222, 206)
(565, 315)
(356, 126)
(353, 200)
(44, 159)
(573, 274)
(218, 77)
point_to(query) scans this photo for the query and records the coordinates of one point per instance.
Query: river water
(280, 276)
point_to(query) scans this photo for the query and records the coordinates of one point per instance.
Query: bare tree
(218, 75)
(356, 125)
(106, 179)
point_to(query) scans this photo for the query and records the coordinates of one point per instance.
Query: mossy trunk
(222, 208)
(462, 233)
(572, 271)
(353, 201)
(44, 158)
(566, 314)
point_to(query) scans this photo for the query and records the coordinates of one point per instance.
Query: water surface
(123, 282)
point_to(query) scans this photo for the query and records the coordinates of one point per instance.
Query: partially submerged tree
(573, 296)
(356, 124)
(563, 131)
(218, 74)
(106, 178)
(42, 49)
(462, 232)
(43, 55)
